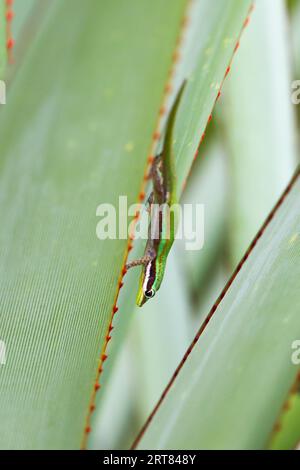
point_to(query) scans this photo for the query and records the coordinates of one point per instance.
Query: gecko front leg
(138, 262)
(144, 260)
(158, 191)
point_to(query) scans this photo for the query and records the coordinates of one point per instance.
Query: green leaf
(259, 123)
(296, 38)
(287, 432)
(220, 25)
(229, 390)
(75, 133)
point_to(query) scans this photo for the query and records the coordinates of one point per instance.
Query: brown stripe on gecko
(150, 276)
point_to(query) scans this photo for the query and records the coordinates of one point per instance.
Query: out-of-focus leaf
(161, 336)
(259, 122)
(217, 278)
(287, 435)
(296, 37)
(75, 133)
(209, 167)
(231, 387)
(204, 270)
(22, 11)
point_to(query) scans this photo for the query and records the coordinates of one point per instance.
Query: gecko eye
(150, 293)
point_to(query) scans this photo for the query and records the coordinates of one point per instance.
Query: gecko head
(147, 284)
(143, 296)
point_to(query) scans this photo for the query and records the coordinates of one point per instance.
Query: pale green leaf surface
(259, 122)
(23, 10)
(232, 386)
(75, 133)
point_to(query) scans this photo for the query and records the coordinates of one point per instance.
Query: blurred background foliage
(249, 153)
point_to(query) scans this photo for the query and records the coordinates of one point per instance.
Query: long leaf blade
(229, 389)
(74, 137)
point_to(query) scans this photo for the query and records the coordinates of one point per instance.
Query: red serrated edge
(141, 195)
(217, 303)
(9, 14)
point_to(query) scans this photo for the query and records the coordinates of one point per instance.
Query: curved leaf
(231, 385)
(75, 133)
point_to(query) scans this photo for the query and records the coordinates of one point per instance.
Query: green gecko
(162, 227)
